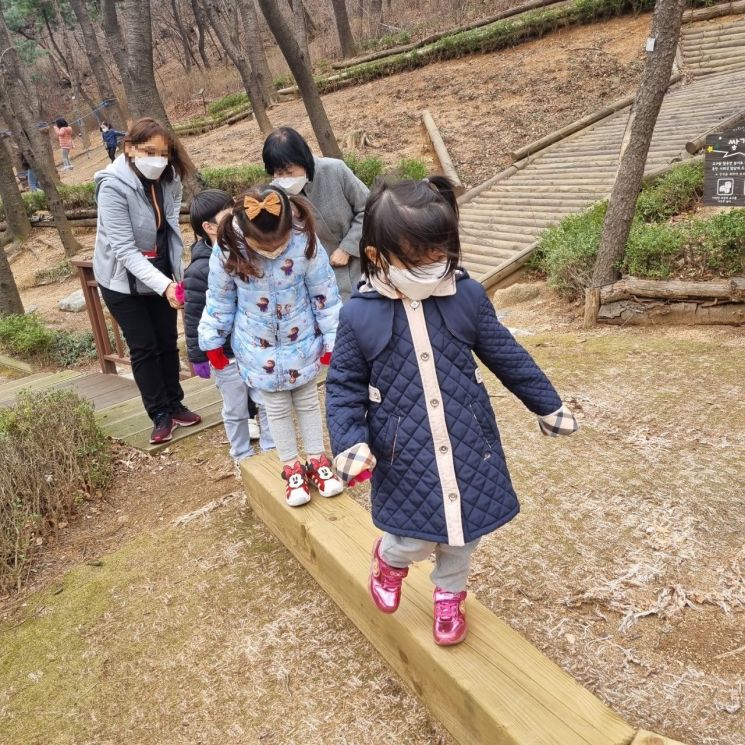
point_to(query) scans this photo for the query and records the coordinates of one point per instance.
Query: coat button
(452, 496)
(434, 402)
(424, 356)
(443, 448)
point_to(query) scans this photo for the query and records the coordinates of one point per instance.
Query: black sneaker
(183, 417)
(163, 429)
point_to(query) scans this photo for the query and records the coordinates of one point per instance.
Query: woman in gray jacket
(138, 262)
(337, 195)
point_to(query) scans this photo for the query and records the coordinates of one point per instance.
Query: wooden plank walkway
(500, 225)
(118, 405)
(714, 46)
(494, 688)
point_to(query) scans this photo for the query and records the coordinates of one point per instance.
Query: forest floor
(625, 565)
(485, 105)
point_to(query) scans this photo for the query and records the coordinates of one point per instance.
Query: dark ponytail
(265, 230)
(446, 189)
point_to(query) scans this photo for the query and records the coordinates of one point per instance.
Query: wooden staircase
(502, 220)
(713, 47)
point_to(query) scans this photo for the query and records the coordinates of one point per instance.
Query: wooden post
(696, 144)
(446, 163)
(592, 306)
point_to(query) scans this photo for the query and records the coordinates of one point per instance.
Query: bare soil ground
(625, 567)
(485, 105)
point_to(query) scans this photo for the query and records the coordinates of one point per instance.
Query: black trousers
(149, 326)
(112, 152)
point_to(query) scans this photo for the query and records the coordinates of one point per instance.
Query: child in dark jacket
(238, 411)
(110, 139)
(406, 403)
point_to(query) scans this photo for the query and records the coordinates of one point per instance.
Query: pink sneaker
(385, 582)
(450, 626)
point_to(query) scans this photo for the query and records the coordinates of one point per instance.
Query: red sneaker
(297, 492)
(450, 626)
(183, 417)
(322, 476)
(385, 582)
(163, 429)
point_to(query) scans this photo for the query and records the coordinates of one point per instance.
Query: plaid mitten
(355, 464)
(561, 422)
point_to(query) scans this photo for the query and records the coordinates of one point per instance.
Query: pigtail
(304, 222)
(232, 245)
(445, 188)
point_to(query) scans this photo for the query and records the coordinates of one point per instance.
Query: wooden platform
(118, 405)
(495, 688)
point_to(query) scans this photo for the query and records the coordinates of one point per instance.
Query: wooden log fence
(441, 151)
(697, 143)
(714, 11)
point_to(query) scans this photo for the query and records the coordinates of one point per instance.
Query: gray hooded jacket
(126, 227)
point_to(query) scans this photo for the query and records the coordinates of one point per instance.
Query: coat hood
(119, 171)
(201, 250)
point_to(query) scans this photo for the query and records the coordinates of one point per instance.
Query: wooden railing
(108, 354)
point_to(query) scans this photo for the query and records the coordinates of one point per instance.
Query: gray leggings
(452, 563)
(279, 406)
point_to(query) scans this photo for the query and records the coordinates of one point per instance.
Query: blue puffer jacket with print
(280, 323)
(374, 395)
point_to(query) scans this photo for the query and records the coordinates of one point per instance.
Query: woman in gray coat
(137, 263)
(337, 195)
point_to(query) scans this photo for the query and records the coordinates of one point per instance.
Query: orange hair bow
(272, 203)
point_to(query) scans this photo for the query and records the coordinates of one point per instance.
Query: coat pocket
(483, 424)
(385, 441)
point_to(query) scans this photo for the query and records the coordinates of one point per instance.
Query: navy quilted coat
(374, 358)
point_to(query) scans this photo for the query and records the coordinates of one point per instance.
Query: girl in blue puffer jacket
(406, 403)
(272, 289)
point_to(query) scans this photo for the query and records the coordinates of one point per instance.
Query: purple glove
(202, 369)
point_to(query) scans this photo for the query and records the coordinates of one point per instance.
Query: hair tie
(272, 204)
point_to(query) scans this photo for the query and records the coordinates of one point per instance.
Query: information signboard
(724, 168)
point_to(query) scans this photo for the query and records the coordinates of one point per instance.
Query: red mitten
(217, 358)
(326, 358)
(180, 292)
(360, 478)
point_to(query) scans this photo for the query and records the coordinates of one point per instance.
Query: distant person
(337, 195)
(137, 263)
(64, 136)
(33, 182)
(279, 336)
(239, 411)
(110, 138)
(406, 403)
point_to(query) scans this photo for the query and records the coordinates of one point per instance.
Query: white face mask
(104, 129)
(151, 166)
(291, 184)
(272, 254)
(418, 283)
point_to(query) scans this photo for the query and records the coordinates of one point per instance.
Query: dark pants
(149, 326)
(112, 152)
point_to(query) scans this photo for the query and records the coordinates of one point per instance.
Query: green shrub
(366, 169)
(720, 242)
(27, 337)
(234, 179)
(52, 456)
(567, 251)
(411, 168)
(24, 335)
(675, 192)
(231, 101)
(652, 249)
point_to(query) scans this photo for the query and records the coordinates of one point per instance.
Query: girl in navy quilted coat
(407, 407)
(266, 274)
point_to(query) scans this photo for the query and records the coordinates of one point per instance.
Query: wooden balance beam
(493, 689)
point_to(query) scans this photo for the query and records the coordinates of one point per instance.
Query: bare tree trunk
(19, 117)
(255, 48)
(300, 68)
(19, 226)
(183, 35)
(115, 39)
(10, 298)
(235, 50)
(376, 17)
(299, 28)
(346, 39)
(655, 80)
(201, 22)
(113, 112)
